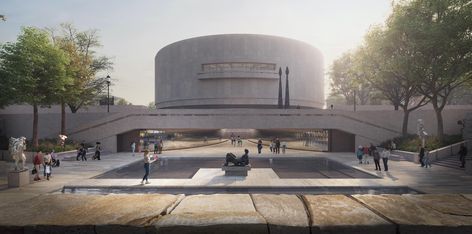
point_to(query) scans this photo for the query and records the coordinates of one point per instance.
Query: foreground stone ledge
(283, 213)
(217, 213)
(66, 213)
(423, 213)
(341, 214)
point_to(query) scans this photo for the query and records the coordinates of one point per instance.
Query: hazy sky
(133, 31)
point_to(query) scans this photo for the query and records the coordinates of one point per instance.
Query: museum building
(238, 71)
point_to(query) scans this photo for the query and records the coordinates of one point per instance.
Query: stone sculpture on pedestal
(17, 147)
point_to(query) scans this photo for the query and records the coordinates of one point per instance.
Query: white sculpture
(421, 132)
(16, 147)
(62, 139)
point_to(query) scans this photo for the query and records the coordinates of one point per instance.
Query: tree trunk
(35, 126)
(406, 117)
(63, 118)
(439, 119)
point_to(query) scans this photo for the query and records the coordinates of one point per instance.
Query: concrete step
(449, 162)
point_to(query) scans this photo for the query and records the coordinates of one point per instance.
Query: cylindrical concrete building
(237, 71)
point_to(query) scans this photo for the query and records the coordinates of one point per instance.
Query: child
(426, 159)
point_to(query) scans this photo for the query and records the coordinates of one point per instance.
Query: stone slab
(423, 213)
(18, 178)
(341, 214)
(468, 196)
(58, 213)
(283, 213)
(217, 213)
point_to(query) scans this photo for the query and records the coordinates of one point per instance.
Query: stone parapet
(239, 213)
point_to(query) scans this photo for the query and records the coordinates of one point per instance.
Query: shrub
(411, 142)
(48, 144)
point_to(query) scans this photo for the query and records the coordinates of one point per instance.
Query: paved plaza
(42, 207)
(72, 173)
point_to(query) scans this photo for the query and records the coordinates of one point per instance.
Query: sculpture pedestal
(236, 170)
(18, 178)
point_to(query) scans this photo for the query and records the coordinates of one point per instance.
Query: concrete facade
(237, 70)
(367, 126)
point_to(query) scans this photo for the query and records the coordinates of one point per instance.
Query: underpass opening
(323, 140)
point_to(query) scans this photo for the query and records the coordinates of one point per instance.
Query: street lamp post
(355, 92)
(108, 92)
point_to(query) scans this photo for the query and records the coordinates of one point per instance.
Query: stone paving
(41, 207)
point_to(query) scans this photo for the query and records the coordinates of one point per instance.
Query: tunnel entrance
(325, 140)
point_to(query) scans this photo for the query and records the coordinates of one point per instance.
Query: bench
(236, 170)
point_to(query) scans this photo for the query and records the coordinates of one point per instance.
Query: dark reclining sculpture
(231, 158)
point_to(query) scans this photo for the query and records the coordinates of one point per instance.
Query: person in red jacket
(37, 163)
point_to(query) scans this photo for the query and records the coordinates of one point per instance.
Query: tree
(123, 102)
(84, 67)
(152, 105)
(440, 37)
(36, 70)
(348, 82)
(386, 63)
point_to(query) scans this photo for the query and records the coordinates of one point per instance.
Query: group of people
(363, 154)
(236, 141)
(276, 145)
(82, 152)
(157, 147)
(48, 160)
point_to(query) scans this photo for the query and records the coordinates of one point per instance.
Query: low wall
(436, 154)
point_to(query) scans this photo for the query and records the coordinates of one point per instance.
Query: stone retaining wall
(239, 213)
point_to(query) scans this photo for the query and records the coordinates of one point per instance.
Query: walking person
(360, 153)
(284, 146)
(426, 158)
(376, 157)
(421, 155)
(259, 146)
(47, 162)
(156, 147)
(37, 164)
(133, 147)
(366, 153)
(83, 152)
(98, 150)
(271, 146)
(160, 146)
(462, 153)
(385, 156)
(147, 166)
(277, 145)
